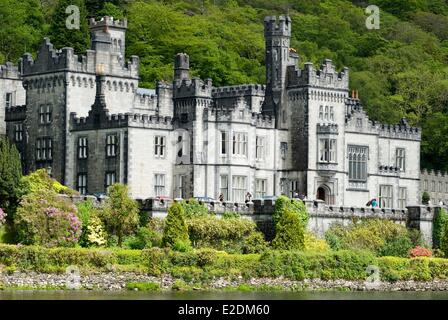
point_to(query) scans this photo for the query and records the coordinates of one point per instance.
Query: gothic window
(239, 188)
(44, 149)
(110, 178)
(386, 196)
(82, 183)
(358, 122)
(326, 113)
(402, 197)
(224, 142)
(260, 146)
(159, 185)
(111, 145)
(327, 150)
(45, 114)
(331, 114)
(260, 188)
(18, 132)
(240, 144)
(357, 163)
(224, 186)
(159, 146)
(321, 112)
(400, 157)
(82, 148)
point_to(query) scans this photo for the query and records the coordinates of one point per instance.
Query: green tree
(61, 36)
(22, 26)
(297, 207)
(289, 233)
(440, 220)
(120, 212)
(10, 174)
(176, 230)
(444, 240)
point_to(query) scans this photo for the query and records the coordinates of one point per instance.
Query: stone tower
(181, 67)
(277, 32)
(116, 29)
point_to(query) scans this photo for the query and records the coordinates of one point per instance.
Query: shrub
(46, 219)
(289, 232)
(299, 265)
(315, 245)
(381, 236)
(193, 208)
(41, 180)
(220, 234)
(176, 230)
(231, 215)
(398, 246)
(85, 210)
(144, 238)
(96, 235)
(440, 219)
(420, 252)
(254, 243)
(120, 212)
(444, 240)
(283, 203)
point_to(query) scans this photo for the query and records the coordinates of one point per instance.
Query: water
(138, 295)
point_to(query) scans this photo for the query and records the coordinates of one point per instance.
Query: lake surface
(139, 295)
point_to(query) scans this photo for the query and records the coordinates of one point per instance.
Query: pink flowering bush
(46, 219)
(420, 252)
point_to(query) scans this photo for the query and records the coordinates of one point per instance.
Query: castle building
(302, 133)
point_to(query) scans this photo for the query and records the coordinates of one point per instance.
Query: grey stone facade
(435, 183)
(301, 133)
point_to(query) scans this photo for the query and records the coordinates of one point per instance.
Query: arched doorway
(321, 194)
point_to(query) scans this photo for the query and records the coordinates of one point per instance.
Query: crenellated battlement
(109, 22)
(239, 90)
(434, 173)
(9, 71)
(326, 76)
(195, 87)
(145, 101)
(120, 120)
(277, 26)
(49, 59)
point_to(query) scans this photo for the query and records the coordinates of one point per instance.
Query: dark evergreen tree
(61, 36)
(176, 230)
(10, 174)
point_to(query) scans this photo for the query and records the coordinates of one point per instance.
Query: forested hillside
(400, 69)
